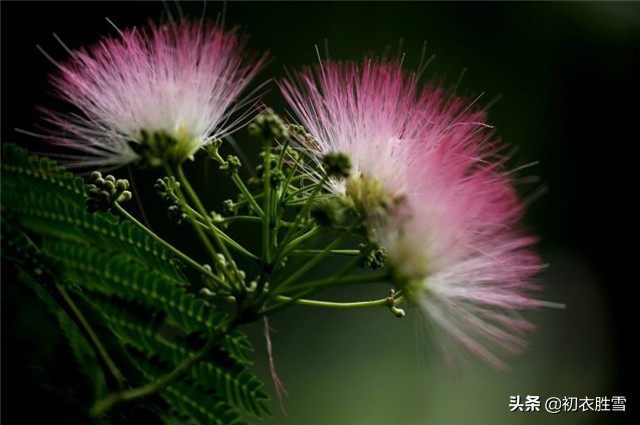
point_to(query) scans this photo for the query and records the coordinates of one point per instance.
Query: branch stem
(190, 261)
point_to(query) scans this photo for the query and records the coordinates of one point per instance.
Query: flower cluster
(154, 95)
(424, 170)
(429, 181)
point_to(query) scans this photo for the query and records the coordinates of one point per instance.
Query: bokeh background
(568, 80)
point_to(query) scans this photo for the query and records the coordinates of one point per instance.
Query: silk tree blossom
(457, 250)
(363, 111)
(451, 233)
(153, 95)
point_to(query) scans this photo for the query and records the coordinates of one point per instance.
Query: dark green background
(568, 77)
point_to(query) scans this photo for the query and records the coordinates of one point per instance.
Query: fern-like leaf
(115, 275)
(218, 373)
(133, 291)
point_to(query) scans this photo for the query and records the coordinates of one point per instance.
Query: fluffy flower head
(154, 95)
(364, 111)
(458, 251)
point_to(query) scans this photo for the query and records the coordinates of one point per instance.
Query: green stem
(316, 285)
(266, 205)
(291, 245)
(240, 218)
(288, 180)
(305, 210)
(226, 238)
(315, 260)
(330, 304)
(248, 196)
(194, 222)
(346, 252)
(169, 247)
(300, 191)
(203, 212)
(233, 244)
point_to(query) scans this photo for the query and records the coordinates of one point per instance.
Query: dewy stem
(168, 246)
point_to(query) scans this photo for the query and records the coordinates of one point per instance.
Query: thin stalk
(266, 221)
(330, 304)
(315, 260)
(233, 244)
(239, 218)
(288, 180)
(318, 284)
(247, 218)
(244, 202)
(305, 210)
(301, 190)
(344, 252)
(203, 212)
(168, 246)
(283, 152)
(194, 222)
(248, 196)
(226, 238)
(291, 245)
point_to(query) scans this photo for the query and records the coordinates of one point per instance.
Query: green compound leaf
(23, 172)
(133, 292)
(116, 275)
(51, 201)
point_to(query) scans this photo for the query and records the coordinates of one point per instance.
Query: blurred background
(568, 80)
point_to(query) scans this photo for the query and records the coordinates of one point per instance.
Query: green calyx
(160, 148)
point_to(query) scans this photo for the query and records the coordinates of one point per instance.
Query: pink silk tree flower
(155, 95)
(449, 219)
(362, 111)
(457, 250)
